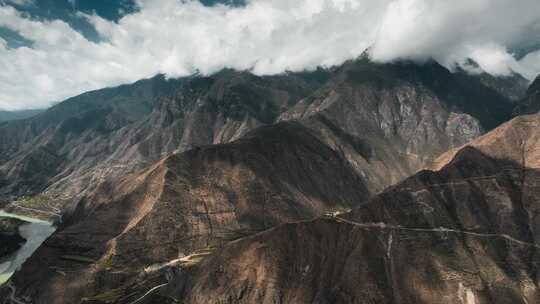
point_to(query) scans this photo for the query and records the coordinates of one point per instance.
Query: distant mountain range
(16, 115)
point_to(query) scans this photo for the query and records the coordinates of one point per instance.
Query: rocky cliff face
(467, 233)
(404, 114)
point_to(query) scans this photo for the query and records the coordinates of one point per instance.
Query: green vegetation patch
(37, 202)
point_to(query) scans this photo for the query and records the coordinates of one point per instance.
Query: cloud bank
(179, 38)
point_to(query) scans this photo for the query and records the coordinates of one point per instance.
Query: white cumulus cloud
(266, 36)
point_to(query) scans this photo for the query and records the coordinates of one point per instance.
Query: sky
(54, 49)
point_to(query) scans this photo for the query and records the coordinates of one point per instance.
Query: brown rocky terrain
(393, 109)
(467, 233)
(175, 170)
(517, 140)
(391, 120)
(198, 199)
(100, 136)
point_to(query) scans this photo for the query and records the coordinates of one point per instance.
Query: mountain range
(16, 115)
(364, 183)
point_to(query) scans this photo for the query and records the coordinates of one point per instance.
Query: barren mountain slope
(468, 233)
(100, 136)
(517, 140)
(187, 202)
(403, 114)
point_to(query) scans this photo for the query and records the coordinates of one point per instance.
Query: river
(35, 232)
